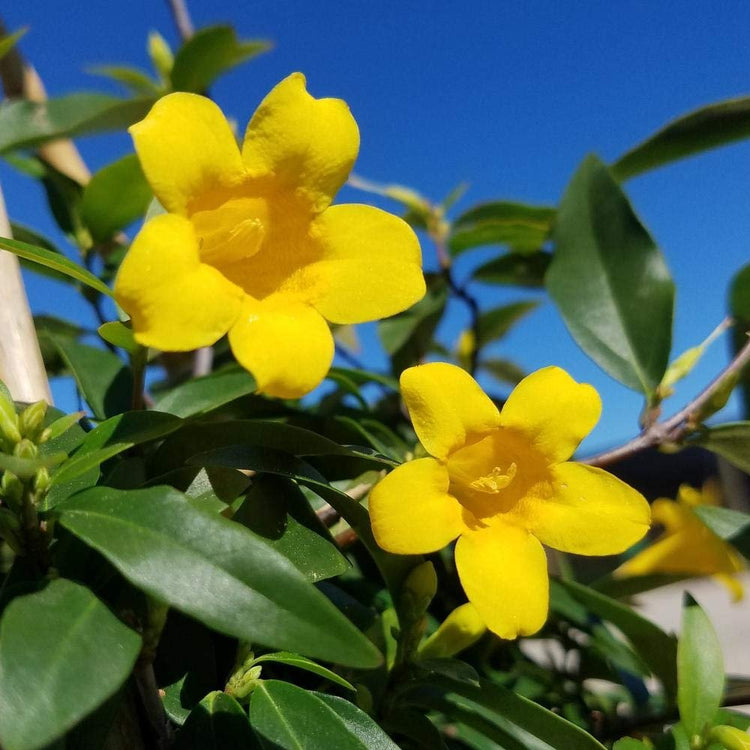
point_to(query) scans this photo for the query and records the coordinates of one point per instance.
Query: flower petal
(462, 628)
(553, 410)
(307, 145)
(176, 302)
(368, 265)
(411, 510)
(503, 570)
(590, 512)
(187, 151)
(286, 345)
(446, 406)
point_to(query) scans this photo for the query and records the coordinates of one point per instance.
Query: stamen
(498, 479)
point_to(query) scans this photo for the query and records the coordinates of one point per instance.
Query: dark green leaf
(705, 128)
(521, 227)
(516, 269)
(209, 53)
(657, 649)
(610, 281)
(276, 510)
(512, 721)
(700, 669)
(200, 395)
(295, 660)
(731, 441)
(103, 378)
(62, 654)
(218, 722)
(286, 716)
(24, 124)
(495, 323)
(117, 195)
(214, 570)
(56, 261)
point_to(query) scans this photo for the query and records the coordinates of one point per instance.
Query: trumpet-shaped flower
(502, 484)
(251, 245)
(687, 546)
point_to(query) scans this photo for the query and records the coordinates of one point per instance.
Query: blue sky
(508, 97)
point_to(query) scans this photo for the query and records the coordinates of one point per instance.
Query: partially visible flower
(501, 483)
(251, 245)
(687, 545)
(462, 628)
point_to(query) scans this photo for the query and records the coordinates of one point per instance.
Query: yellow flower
(687, 545)
(501, 483)
(251, 245)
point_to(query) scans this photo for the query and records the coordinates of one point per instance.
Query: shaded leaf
(495, 323)
(218, 722)
(49, 329)
(730, 440)
(295, 660)
(516, 269)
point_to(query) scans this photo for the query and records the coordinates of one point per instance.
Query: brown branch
(678, 426)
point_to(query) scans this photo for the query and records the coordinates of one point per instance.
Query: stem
(676, 427)
(182, 18)
(138, 368)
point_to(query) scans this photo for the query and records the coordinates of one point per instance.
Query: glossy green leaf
(515, 269)
(56, 261)
(510, 720)
(116, 196)
(286, 716)
(657, 649)
(521, 227)
(62, 654)
(495, 323)
(201, 395)
(213, 570)
(275, 509)
(209, 53)
(25, 124)
(103, 378)
(731, 441)
(700, 669)
(706, 128)
(295, 660)
(218, 722)
(609, 280)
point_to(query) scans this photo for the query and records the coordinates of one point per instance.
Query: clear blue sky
(509, 97)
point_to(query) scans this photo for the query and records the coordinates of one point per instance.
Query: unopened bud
(25, 449)
(418, 591)
(31, 421)
(160, 54)
(41, 481)
(11, 490)
(462, 628)
(730, 738)
(8, 420)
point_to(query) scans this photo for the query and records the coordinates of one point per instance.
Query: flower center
(497, 479)
(232, 231)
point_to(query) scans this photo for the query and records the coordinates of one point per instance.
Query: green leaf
(630, 743)
(62, 654)
(120, 335)
(727, 524)
(213, 570)
(25, 124)
(705, 128)
(512, 721)
(133, 79)
(739, 308)
(521, 227)
(657, 649)
(503, 370)
(22, 233)
(56, 261)
(103, 378)
(201, 395)
(49, 330)
(730, 440)
(117, 195)
(275, 509)
(286, 716)
(495, 323)
(218, 722)
(609, 280)
(295, 660)
(700, 669)
(516, 269)
(9, 41)
(25, 468)
(209, 53)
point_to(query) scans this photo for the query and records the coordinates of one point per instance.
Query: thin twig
(182, 18)
(675, 428)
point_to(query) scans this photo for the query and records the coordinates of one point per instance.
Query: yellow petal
(304, 145)
(285, 344)
(589, 512)
(188, 152)
(553, 410)
(462, 628)
(411, 511)
(368, 265)
(671, 515)
(176, 302)
(736, 589)
(446, 406)
(503, 570)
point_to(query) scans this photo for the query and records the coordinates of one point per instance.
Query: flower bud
(31, 420)
(11, 490)
(41, 481)
(25, 449)
(418, 591)
(160, 54)
(462, 628)
(8, 420)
